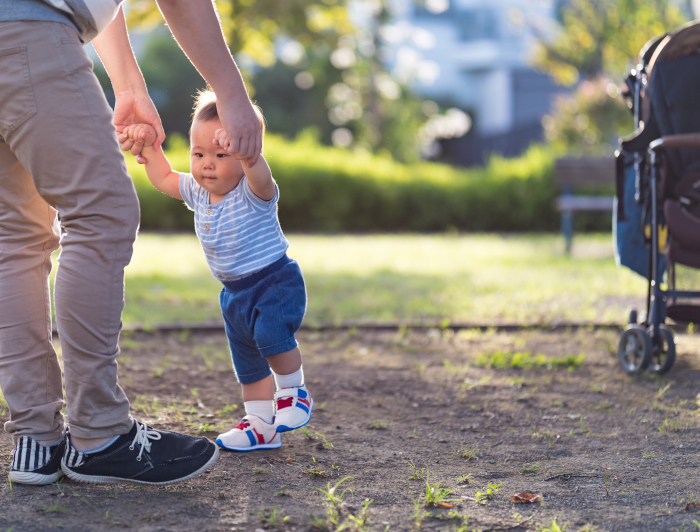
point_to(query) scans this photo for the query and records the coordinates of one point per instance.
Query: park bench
(573, 172)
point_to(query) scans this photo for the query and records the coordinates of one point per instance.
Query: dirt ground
(405, 414)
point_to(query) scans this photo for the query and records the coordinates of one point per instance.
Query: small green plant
(420, 368)
(259, 470)
(312, 469)
(273, 518)
(378, 425)
(532, 470)
(553, 527)
(314, 434)
(418, 505)
(360, 522)
(334, 500)
(483, 497)
(464, 479)
(598, 388)
(283, 492)
(648, 454)
(417, 474)
(435, 495)
(54, 508)
(587, 528)
(3, 404)
(466, 453)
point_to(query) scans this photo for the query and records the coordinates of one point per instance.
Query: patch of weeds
(538, 434)
(587, 528)
(420, 368)
(201, 428)
(54, 508)
(467, 453)
(227, 410)
(483, 497)
(435, 495)
(464, 479)
(526, 360)
(666, 426)
(259, 470)
(648, 454)
(163, 364)
(334, 500)
(273, 518)
(154, 517)
(690, 502)
(532, 470)
(418, 515)
(553, 527)
(417, 474)
(598, 388)
(283, 492)
(142, 404)
(360, 522)
(313, 470)
(470, 385)
(313, 435)
(3, 405)
(378, 425)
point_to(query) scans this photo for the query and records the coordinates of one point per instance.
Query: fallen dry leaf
(526, 497)
(443, 505)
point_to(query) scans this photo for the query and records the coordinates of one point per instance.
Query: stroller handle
(676, 142)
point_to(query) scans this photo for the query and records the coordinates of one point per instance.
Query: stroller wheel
(634, 350)
(663, 354)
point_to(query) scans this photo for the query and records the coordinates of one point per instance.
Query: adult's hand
(137, 108)
(242, 126)
(196, 28)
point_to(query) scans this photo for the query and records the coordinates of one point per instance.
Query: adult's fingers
(126, 144)
(244, 149)
(234, 146)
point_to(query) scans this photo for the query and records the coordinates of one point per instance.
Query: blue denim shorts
(262, 312)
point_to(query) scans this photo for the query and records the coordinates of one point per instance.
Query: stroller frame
(651, 344)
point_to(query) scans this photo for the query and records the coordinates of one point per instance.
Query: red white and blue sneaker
(250, 434)
(294, 406)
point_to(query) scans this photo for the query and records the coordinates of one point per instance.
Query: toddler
(263, 299)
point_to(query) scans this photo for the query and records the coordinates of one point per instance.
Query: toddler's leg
(293, 401)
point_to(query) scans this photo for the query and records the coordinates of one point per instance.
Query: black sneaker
(33, 463)
(172, 458)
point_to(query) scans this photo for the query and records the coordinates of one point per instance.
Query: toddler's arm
(259, 175)
(139, 139)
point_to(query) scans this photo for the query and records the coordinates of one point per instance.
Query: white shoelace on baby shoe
(143, 437)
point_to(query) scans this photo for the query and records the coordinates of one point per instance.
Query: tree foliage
(599, 37)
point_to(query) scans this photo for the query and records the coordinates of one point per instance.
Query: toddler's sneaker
(250, 434)
(294, 407)
(33, 463)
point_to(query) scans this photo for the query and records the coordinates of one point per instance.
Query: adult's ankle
(85, 444)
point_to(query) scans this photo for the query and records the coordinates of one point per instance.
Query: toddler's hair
(205, 109)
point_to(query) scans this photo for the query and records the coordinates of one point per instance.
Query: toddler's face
(212, 167)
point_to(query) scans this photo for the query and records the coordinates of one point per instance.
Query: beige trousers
(59, 154)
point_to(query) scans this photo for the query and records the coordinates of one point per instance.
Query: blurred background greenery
(348, 141)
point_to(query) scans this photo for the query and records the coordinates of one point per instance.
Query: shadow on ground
(406, 415)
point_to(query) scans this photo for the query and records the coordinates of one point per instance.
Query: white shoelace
(143, 437)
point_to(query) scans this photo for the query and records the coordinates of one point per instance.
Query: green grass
(479, 277)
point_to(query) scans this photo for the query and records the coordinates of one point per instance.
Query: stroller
(658, 192)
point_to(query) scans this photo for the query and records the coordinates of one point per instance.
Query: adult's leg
(69, 147)
(30, 376)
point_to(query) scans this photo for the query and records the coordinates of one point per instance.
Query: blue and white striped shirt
(241, 234)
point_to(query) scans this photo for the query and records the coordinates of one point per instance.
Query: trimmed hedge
(331, 189)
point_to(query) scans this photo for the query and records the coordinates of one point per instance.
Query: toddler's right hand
(135, 137)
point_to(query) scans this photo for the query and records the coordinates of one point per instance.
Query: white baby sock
(265, 410)
(293, 380)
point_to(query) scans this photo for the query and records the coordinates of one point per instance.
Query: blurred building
(475, 55)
